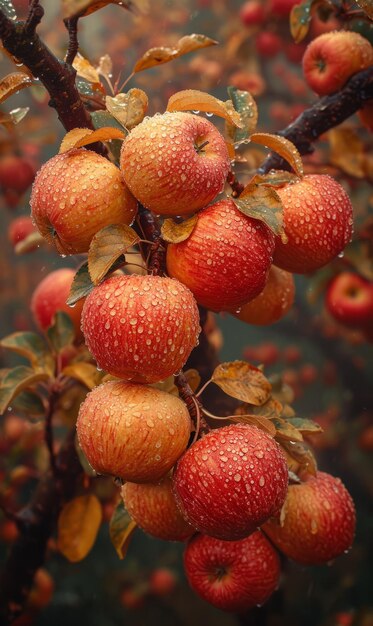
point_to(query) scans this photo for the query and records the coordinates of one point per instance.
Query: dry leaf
(347, 151)
(174, 232)
(285, 431)
(301, 457)
(85, 69)
(283, 147)
(264, 204)
(158, 56)
(193, 379)
(242, 381)
(81, 8)
(13, 82)
(129, 109)
(256, 420)
(79, 137)
(193, 100)
(121, 529)
(78, 525)
(85, 373)
(107, 246)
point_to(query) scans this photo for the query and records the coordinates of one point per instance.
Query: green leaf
(81, 285)
(121, 530)
(305, 425)
(29, 403)
(103, 119)
(107, 246)
(32, 347)
(264, 204)
(245, 105)
(15, 381)
(300, 18)
(243, 381)
(62, 332)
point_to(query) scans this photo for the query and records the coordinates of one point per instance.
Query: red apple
(268, 44)
(349, 299)
(153, 507)
(318, 223)
(74, 195)
(226, 259)
(175, 163)
(140, 328)
(16, 174)
(273, 302)
(162, 582)
(317, 522)
(231, 481)
(132, 431)
(332, 58)
(252, 13)
(50, 296)
(20, 228)
(232, 575)
(42, 590)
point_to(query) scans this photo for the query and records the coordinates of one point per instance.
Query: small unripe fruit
(226, 259)
(165, 168)
(232, 575)
(50, 296)
(74, 195)
(231, 481)
(153, 507)
(332, 58)
(318, 223)
(132, 431)
(273, 302)
(140, 328)
(317, 522)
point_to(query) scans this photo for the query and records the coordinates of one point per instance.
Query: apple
(140, 328)
(232, 575)
(252, 13)
(162, 582)
(273, 302)
(282, 8)
(319, 26)
(226, 259)
(20, 228)
(74, 195)
(42, 590)
(318, 223)
(332, 58)
(175, 163)
(231, 481)
(266, 353)
(294, 51)
(268, 44)
(16, 174)
(153, 507)
(349, 299)
(50, 296)
(317, 521)
(135, 432)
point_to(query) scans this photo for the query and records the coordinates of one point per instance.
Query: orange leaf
(12, 83)
(128, 108)
(78, 525)
(283, 147)
(256, 420)
(121, 530)
(193, 100)
(81, 8)
(174, 232)
(85, 69)
(79, 137)
(160, 55)
(243, 381)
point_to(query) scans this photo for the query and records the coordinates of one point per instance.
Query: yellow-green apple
(226, 259)
(231, 481)
(140, 328)
(318, 223)
(349, 299)
(74, 195)
(332, 58)
(50, 296)
(175, 163)
(132, 431)
(153, 507)
(273, 302)
(317, 522)
(232, 575)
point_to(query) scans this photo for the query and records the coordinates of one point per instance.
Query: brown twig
(155, 253)
(72, 28)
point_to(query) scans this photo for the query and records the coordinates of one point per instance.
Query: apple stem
(200, 148)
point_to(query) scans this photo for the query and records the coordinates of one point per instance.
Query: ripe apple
(20, 228)
(153, 507)
(74, 195)
(231, 481)
(16, 174)
(268, 44)
(232, 575)
(50, 296)
(252, 13)
(140, 328)
(349, 299)
(132, 431)
(318, 223)
(317, 522)
(273, 302)
(162, 582)
(226, 259)
(175, 163)
(282, 8)
(332, 58)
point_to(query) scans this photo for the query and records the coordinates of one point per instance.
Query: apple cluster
(218, 492)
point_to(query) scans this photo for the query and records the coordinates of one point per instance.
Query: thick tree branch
(325, 114)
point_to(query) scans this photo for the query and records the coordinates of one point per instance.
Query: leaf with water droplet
(244, 103)
(85, 373)
(81, 8)
(78, 525)
(121, 530)
(264, 204)
(256, 420)
(160, 55)
(81, 286)
(13, 82)
(107, 246)
(80, 137)
(129, 109)
(300, 18)
(175, 232)
(193, 100)
(243, 381)
(285, 431)
(285, 148)
(16, 380)
(300, 457)
(105, 66)
(85, 69)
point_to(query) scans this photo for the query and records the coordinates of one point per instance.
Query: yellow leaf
(81, 8)
(12, 83)
(128, 108)
(347, 151)
(85, 373)
(193, 379)
(78, 525)
(85, 69)
(79, 137)
(121, 530)
(256, 420)
(160, 55)
(242, 381)
(283, 147)
(193, 100)
(174, 232)
(107, 246)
